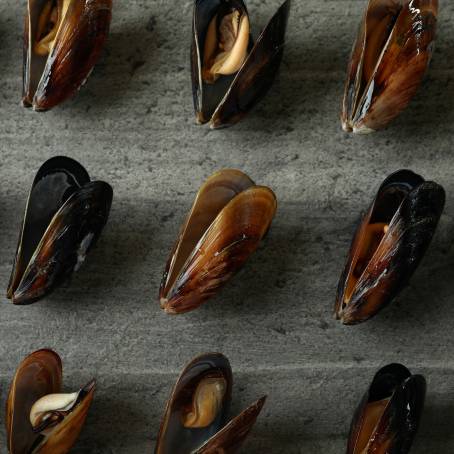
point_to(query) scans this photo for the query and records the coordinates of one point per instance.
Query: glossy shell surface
(224, 227)
(389, 59)
(388, 245)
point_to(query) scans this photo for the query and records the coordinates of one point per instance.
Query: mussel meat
(63, 40)
(388, 245)
(387, 419)
(228, 219)
(230, 73)
(40, 419)
(196, 413)
(388, 62)
(64, 217)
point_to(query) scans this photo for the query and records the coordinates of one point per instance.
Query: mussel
(389, 59)
(230, 73)
(63, 219)
(387, 419)
(40, 419)
(388, 245)
(196, 413)
(228, 219)
(63, 40)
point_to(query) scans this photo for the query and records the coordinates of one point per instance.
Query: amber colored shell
(226, 223)
(48, 81)
(376, 95)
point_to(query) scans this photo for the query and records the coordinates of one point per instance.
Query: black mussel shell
(195, 417)
(231, 97)
(388, 245)
(64, 217)
(387, 418)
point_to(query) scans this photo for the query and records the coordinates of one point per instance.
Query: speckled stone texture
(132, 125)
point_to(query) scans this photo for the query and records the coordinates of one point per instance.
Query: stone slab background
(132, 125)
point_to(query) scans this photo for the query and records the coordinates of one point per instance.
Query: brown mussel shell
(64, 217)
(231, 97)
(38, 375)
(388, 62)
(227, 221)
(214, 435)
(387, 418)
(388, 245)
(51, 79)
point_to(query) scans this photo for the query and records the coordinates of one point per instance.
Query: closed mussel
(388, 245)
(40, 419)
(63, 219)
(387, 419)
(195, 419)
(228, 219)
(389, 59)
(63, 40)
(230, 73)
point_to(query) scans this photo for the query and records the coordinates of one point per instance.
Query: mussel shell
(257, 74)
(231, 97)
(173, 437)
(415, 206)
(48, 81)
(399, 423)
(398, 76)
(208, 96)
(38, 375)
(239, 218)
(230, 439)
(65, 434)
(64, 217)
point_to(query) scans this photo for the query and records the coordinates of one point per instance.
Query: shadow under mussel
(388, 245)
(195, 419)
(230, 73)
(63, 219)
(388, 62)
(63, 40)
(387, 419)
(40, 419)
(226, 223)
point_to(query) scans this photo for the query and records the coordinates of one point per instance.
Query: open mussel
(387, 419)
(196, 413)
(389, 59)
(388, 245)
(230, 73)
(63, 219)
(63, 40)
(40, 419)
(228, 219)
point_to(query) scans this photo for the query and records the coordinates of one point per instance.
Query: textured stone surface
(132, 125)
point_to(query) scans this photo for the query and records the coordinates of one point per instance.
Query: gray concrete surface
(132, 125)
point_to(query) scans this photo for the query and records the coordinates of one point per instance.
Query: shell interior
(376, 228)
(388, 416)
(193, 415)
(38, 375)
(208, 16)
(60, 435)
(229, 72)
(43, 24)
